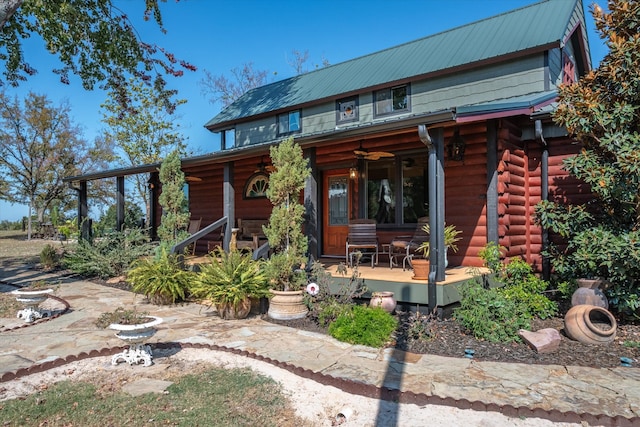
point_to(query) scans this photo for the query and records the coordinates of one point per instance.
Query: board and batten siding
(484, 84)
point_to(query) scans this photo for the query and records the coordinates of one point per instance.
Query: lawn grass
(214, 397)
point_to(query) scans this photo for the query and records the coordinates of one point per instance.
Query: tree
(145, 137)
(299, 59)
(221, 89)
(175, 214)
(602, 111)
(93, 39)
(39, 146)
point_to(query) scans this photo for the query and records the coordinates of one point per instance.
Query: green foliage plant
(496, 314)
(175, 215)
(160, 278)
(229, 278)
(284, 230)
(370, 326)
(451, 237)
(49, 257)
(109, 256)
(602, 236)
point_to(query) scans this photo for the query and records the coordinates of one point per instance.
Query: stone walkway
(567, 393)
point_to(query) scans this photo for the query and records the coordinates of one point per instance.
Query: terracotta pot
(287, 305)
(230, 311)
(383, 300)
(590, 283)
(589, 296)
(590, 324)
(420, 269)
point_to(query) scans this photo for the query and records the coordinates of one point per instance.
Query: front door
(336, 208)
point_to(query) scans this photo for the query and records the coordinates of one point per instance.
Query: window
(289, 122)
(347, 110)
(397, 190)
(569, 74)
(392, 100)
(228, 139)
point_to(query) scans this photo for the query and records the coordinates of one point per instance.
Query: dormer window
(392, 100)
(289, 123)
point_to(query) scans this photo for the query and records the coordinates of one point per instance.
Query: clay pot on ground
(589, 293)
(230, 311)
(590, 324)
(287, 305)
(383, 300)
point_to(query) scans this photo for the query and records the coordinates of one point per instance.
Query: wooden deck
(405, 288)
(382, 278)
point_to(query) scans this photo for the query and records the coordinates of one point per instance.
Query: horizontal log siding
(465, 194)
(516, 200)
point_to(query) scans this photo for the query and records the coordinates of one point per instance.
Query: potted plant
(133, 328)
(421, 266)
(284, 231)
(161, 278)
(229, 281)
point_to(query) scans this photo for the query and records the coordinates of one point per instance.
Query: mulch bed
(449, 339)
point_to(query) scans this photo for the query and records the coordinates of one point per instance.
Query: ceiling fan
(263, 167)
(363, 153)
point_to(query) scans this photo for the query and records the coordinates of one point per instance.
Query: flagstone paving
(611, 392)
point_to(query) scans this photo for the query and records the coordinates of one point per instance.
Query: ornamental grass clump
(161, 278)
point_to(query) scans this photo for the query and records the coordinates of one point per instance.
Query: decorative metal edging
(355, 387)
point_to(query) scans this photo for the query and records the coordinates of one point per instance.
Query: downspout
(544, 170)
(432, 294)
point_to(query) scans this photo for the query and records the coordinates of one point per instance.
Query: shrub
(371, 326)
(109, 256)
(49, 257)
(523, 286)
(489, 315)
(161, 279)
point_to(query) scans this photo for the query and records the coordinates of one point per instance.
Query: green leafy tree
(93, 40)
(39, 146)
(602, 111)
(133, 216)
(144, 137)
(175, 215)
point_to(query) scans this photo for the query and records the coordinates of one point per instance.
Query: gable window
(289, 122)
(391, 100)
(569, 75)
(347, 110)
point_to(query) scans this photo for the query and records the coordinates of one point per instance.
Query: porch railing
(178, 248)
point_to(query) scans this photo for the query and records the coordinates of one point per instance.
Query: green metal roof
(527, 28)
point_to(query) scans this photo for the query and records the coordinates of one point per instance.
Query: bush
(161, 279)
(49, 257)
(489, 315)
(498, 313)
(109, 256)
(371, 326)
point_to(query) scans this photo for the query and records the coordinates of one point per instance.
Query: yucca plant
(161, 279)
(229, 281)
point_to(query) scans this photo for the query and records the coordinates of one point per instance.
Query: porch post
(152, 221)
(83, 211)
(492, 182)
(228, 203)
(119, 203)
(311, 204)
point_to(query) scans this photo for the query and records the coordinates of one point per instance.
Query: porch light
(353, 173)
(456, 147)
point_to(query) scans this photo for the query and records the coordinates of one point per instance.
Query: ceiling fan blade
(382, 154)
(360, 152)
(192, 179)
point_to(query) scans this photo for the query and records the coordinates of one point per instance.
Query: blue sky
(218, 35)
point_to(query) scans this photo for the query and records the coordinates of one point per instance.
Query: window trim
(288, 114)
(389, 90)
(356, 107)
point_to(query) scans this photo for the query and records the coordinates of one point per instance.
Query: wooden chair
(194, 227)
(405, 246)
(362, 237)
